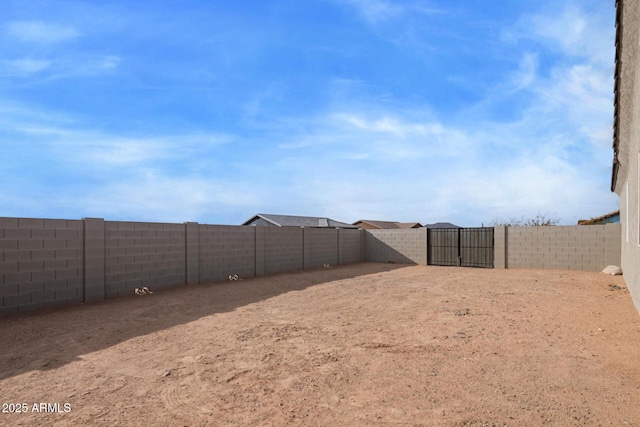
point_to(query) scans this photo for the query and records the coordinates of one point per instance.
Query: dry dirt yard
(360, 345)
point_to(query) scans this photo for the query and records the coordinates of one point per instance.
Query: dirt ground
(361, 345)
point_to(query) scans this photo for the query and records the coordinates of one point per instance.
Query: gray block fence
(57, 262)
(52, 262)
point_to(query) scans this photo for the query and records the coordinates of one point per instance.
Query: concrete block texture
(33, 255)
(500, 247)
(226, 250)
(54, 262)
(350, 246)
(397, 246)
(58, 262)
(587, 248)
(283, 249)
(320, 247)
(259, 244)
(94, 257)
(165, 242)
(192, 245)
(583, 247)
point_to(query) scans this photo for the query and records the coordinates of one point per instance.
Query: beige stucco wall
(629, 144)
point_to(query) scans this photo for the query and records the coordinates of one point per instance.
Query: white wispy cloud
(24, 66)
(273, 93)
(583, 93)
(36, 49)
(106, 151)
(579, 88)
(526, 73)
(574, 31)
(71, 139)
(157, 196)
(105, 62)
(174, 177)
(375, 11)
(41, 32)
(389, 136)
(577, 32)
(63, 67)
(537, 140)
(408, 165)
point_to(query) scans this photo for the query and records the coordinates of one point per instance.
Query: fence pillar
(500, 248)
(192, 249)
(259, 246)
(425, 231)
(306, 249)
(340, 246)
(94, 264)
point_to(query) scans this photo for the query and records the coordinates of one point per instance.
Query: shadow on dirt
(48, 340)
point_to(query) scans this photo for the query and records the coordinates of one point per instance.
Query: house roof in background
(604, 219)
(388, 224)
(442, 225)
(377, 224)
(409, 224)
(299, 221)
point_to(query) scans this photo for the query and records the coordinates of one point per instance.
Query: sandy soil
(368, 344)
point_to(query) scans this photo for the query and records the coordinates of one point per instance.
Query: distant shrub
(540, 220)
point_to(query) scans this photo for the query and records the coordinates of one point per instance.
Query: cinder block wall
(226, 250)
(320, 247)
(143, 254)
(350, 246)
(283, 249)
(41, 263)
(398, 246)
(584, 247)
(52, 262)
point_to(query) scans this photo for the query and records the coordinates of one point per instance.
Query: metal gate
(462, 247)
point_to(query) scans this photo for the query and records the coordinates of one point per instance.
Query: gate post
(426, 246)
(459, 243)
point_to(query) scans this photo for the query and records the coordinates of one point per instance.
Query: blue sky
(212, 111)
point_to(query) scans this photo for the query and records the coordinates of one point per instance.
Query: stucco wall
(630, 254)
(629, 145)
